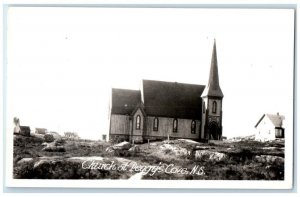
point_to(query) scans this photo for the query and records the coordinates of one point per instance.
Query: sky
(63, 62)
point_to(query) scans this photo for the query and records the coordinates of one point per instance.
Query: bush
(48, 137)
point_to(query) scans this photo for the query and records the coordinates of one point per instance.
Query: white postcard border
(197, 184)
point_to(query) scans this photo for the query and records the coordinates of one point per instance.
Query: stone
(45, 144)
(269, 159)
(188, 141)
(202, 147)
(209, 155)
(177, 150)
(54, 149)
(25, 161)
(59, 142)
(134, 149)
(109, 149)
(122, 146)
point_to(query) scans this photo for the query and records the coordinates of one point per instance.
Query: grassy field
(218, 160)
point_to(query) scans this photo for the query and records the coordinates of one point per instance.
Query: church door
(214, 131)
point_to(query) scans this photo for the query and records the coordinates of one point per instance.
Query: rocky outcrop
(56, 146)
(70, 168)
(134, 149)
(206, 155)
(122, 149)
(177, 150)
(269, 159)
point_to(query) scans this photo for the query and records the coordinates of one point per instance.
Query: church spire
(213, 87)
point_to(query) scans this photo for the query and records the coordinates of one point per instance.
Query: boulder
(23, 168)
(59, 142)
(177, 150)
(209, 155)
(25, 161)
(70, 168)
(134, 149)
(269, 159)
(167, 146)
(54, 149)
(202, 147)
(122, 146)
(48, 137)
(188, 141)
(109, 149)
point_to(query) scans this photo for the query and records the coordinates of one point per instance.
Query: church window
(175, 125)
(214, 107)
(138, 122)
(155, 124)
(193, 127)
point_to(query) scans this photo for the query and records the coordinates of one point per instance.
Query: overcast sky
(62, 62)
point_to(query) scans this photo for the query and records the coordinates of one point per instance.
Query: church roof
(124, 101)
(172, 99)
(164, 99)
(276, 119)
(213, 87)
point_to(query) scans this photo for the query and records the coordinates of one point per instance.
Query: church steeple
(213, 87)
(212, 101)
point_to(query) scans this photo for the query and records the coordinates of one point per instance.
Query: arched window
(193, 127)
(155, 124)
(175, 125)
(138, 122)
(214, 107)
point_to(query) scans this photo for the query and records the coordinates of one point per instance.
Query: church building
(162, 110)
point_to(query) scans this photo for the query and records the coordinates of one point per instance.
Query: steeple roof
(213, 87)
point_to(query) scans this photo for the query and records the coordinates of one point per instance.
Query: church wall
(165, 127)
(119, 124)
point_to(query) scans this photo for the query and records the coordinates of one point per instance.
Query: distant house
(24, 130)
(269, 127)
(40, 130)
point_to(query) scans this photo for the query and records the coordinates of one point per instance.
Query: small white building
(269, 127)
(41, 131)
